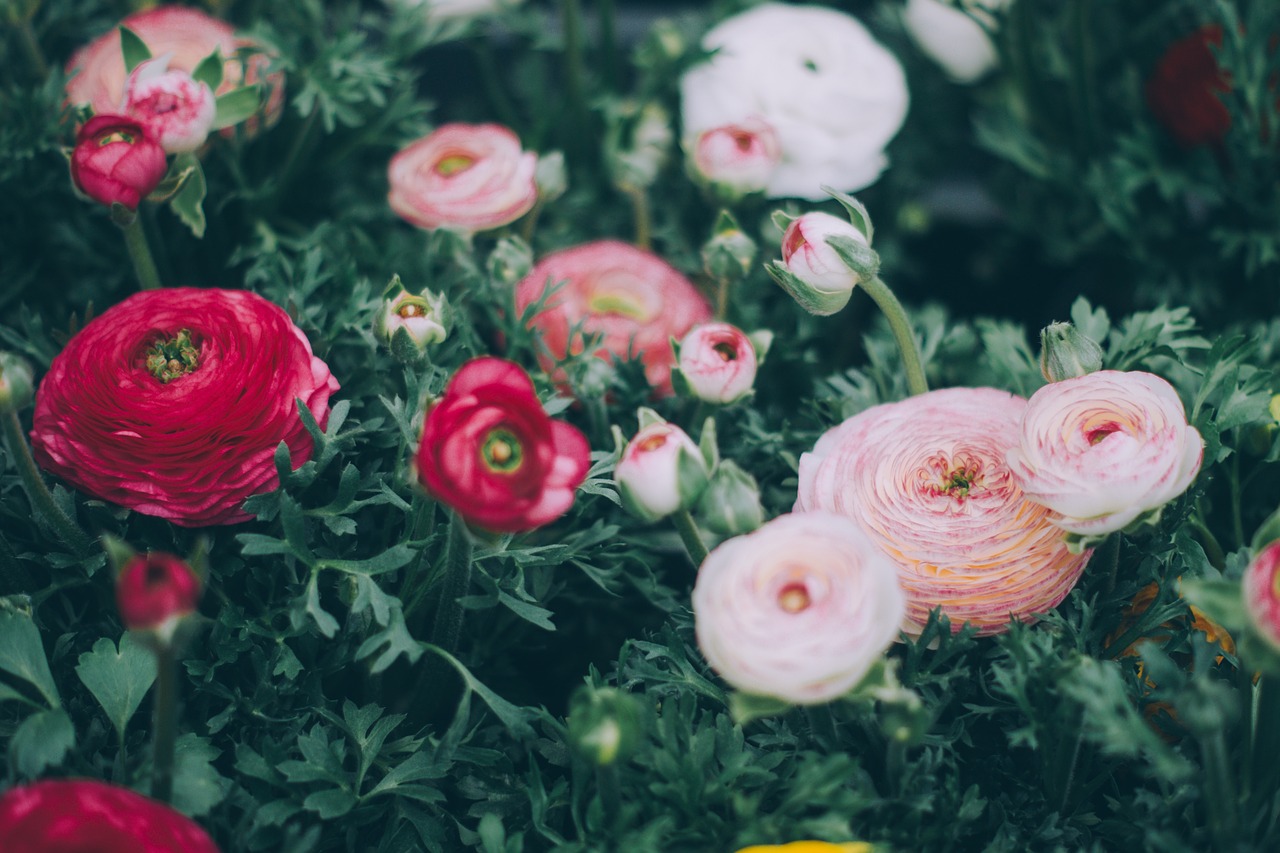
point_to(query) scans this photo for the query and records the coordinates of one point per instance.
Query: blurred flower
(730, 254)
(1066, 353)
(637, 142)
(605, 725)
(737, 159)
(1105, 448)
(1184, 87)
(815, 274)
(408, 324)
(660, 471)
(155, 590)
(1261, 586)
(718, 363)
(799, 610)
(631, 298)
(489, 450)
(811, 847)
(16, 388)
(116, 162)
(175, 110)
(63, 815)
(926, 479)
(833, 95)
(955, 37)
(464, 177)
(450, 10)
(172, 403)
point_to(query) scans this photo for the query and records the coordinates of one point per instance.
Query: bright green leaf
(135, 50)
(236, 106)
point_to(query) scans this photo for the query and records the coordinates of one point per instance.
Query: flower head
(408, 324)
(115, 161)
(811, 270)
(154, 590)
(176, 110)
(955, 36)
(1183, 91)
(718, 362)
(1261, 588)
(661, 471)
(736, 158)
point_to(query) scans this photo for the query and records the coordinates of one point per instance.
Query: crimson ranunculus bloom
(115, 161)
(1184, 88)
(155, 588)
(490, 451)
(79, 815)
(173, 402)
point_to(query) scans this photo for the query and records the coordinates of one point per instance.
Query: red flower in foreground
(1183, 90)
(490, 451)
(154, 588)
(74, 816)
(115, 161)
(172, 403)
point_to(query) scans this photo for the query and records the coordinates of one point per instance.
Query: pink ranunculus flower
(116, 162)
(718, 362)
(176, 110)
(98, 74)
(661, 471)
(1261, 586)
(464, 177)
(800, 609)
(827, 282)
(926, 479)
(631, 298)
(739, 158)
(1102, 449)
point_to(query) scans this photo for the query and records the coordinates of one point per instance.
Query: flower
(632, 299)
(955, 37)
(154, 590)
(718, 363)
(799, 610)
(64, 815)
(926, 480)
(811, 847)
(1184, 87)
(832, 94)
(172, 403)
(16, 386)
(1261, 587)
(409, 324)
(661, 470)
(465, 177)
(737, 158)
(1105, 448)
(489, 450)
(116, 162)
(98, 74)
(811, 270)
(174, 109)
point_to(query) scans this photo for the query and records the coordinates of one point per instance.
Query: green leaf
(197, 785)
(513, 717)
(329, 804)
(209, 71)
(745, 707)
(324, 621)
(118, 679)
(135, 50)
(396, 640)
(41, 741)
(188, 202)
(236, 106)
(388, 561)
(1221, 600)
(22, 654)
(8, 694)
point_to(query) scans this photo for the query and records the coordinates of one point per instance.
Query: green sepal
(858, 257)
(209, 71)
(761, 341)
(175, 179)
(237, 105)
(814, 301)
(692, 477)
(135, 50)
(781, 219)
(633, 506)
(748, 707)
(1267, 532)
(857, 211)
(394, 287)
(1078, 543)
(648, 417)
(188, 202)
(619, 443)
(708, 445)
(198, 558)
(119, 553)
(680, 383)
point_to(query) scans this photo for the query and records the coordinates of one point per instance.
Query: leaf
(8, 694)
(22, 654)
(41, 741)
(1221, 600)
(513, 717)
(329, 804)
(135, 50)
(236, 106)
(324, 620)
(745, 707)
(118, 679)
(397, 641)
(197, 785)
(188, 202)
(209, 71)
(388, 561)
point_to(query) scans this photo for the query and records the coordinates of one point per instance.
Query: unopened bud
(550, 176)
(661, 471)
(1067, 353)
(510, 261)
(730, 253)
(16, 383)
(408, 324)
(730, 505)
(637, 144)
(605, 725)
(155, 591)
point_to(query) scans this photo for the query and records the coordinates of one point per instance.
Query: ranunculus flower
(955, 38)
(1184, 87)
(926, 480)
(489, 450)
(115, 161)
(1261, 586)
(633, 299)
(176, 110)
(173, 401)
(737, 158)
(410, 323)
(661, 471)
(833, 95)
(74, 815)
(155, 589)
(1105, 448)
(718, 362)
(799, 610)
(465, 177)
(823, 282)
(98, 74)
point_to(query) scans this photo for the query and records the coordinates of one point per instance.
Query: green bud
(1066, 353)
(550, 176)
(730, 253)
(409, 324)
(637, 143)
(16, 383)
(730, 505)
(510, 261)
(605, 725)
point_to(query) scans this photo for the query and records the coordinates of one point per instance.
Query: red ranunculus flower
(154, 588)
(1183, 90)
(115, 161)
(490, 451)
(79, 815)
(172, 403)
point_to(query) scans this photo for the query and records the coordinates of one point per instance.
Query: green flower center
(171, 357)
(502, 452)
(453, 164)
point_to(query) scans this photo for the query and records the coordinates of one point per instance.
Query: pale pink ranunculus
(176, 110)
(635, 301)
(739, 158)
(661, 470)
(1104, 448)
(926, 479)
(98, 74)
(464, 177)
(800, 609)
(1261, 587)
(718, 361)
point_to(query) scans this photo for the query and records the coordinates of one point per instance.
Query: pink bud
(154, 590)
(176, 110)
(718, 362)
(1262, 593)
(116, 161)
(739, 158)
(660, 471)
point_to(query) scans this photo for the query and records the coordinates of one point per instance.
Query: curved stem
(689, 535)
(901, 327)
(38, 492)
(166, 723)
(140, 253)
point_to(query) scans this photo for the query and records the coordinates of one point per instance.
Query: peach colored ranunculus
(1104, 448)
(926, 479)
(464, 177)
(799, 610)
(635, 301)
(718, 362)
(740, 158)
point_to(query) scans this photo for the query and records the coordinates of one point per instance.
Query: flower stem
(689, 535)
(571, 20)
(610, 792)
(722, 297)
(1109, 558)
(140, 253)
(166, 723)
(457, 580)
(609, 41)
(38, 493)
(31, 46)
(1219, 792)
(1265, 778)
(901, 327)
(644, 227)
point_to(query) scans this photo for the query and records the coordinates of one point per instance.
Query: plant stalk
(689, 536)
(166, 722)
(140, 253)
(571, 20)
(901, 328)
(644, 222)
(457, 580)
(38, 493)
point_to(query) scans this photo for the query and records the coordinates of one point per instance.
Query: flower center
(793, 241)
(794, 597)
(726, 351)
(1098, 434)
(115, 136)
(171, 357)
(411, 308)
(954, 478)
(743, 140)
(501, 452)
(156, 575)
(652, 443)
(453, 164)
(616, 303)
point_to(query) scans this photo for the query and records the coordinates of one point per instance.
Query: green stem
(294, 157)
(140, 253)
(166, 723)
(457, 580)
(31, 47)
(610, 792)
(1219, 792)
(722, 297)
(1108, 555)
(506, 113)
(1265, 776)
(901, 327)
(644, 225)
(571, 19)
(609, 41)
(38, 493)
(689, 535)
(1212, 548)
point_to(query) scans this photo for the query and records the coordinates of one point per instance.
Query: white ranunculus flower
(833, 94)
(955, 37)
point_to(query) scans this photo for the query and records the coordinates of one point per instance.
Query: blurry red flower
(154, 588)
(1183, 90)
(116, 161)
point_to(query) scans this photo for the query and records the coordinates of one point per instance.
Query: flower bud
(1067, 353)
(510, 261)
(16, 386)
(116, 162)
(730, 505)
(604, 725)
(154, 591)
(717, 363)
(735, 160)
(661, 471)
(1261, 585)
(730, 253)
(409, 324)
(176, 110)
(637, 142)
(823, 259)
(550, 176)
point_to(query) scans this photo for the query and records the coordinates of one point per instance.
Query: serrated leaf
(188, 202)
(133, 48)
(513, 717)
(236, 106)
(118, 679)
(745, 707)
(325, 622)
(394, 641)
(197, 785)
(42, 741)
(22, 654)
